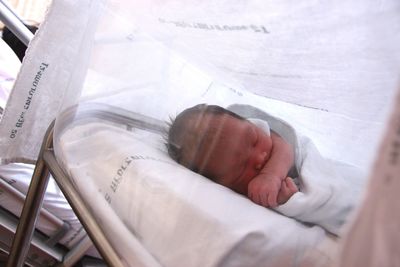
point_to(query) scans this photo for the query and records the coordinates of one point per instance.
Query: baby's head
(219, 144)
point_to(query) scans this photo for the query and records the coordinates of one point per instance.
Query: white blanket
(329, 189)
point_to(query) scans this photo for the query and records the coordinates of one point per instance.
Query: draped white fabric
(47, 71)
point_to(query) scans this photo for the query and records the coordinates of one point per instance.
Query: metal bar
(85, 217)
(47, 163)
(10, 8)
(14, 23)
(39, 251)
(30, 211)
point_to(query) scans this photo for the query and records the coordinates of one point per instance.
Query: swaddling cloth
(326, 199)
(329, 189)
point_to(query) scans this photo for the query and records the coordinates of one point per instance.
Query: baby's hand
(264, 190)
(288, 189)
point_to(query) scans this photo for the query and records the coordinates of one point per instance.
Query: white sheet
(177, 215)
(19, 175)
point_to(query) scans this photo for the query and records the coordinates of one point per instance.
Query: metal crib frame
(47, 164)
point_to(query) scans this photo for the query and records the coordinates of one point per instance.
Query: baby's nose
(260, 160)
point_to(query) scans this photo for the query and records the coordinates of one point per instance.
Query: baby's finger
(284, 188)
(290, 185)
(264, 199)
(255, 198)
(272, 198)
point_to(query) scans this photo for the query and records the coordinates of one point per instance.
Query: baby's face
(236, 154)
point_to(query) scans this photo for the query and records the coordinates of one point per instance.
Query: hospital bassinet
(117, 73)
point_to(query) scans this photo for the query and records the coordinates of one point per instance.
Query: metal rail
(47, 164)
(14, 23)
(85, 217)
(30, 211)
(34, 198)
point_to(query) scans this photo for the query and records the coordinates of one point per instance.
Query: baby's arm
(264, 188)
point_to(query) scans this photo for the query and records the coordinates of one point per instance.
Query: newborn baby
(244, 156)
